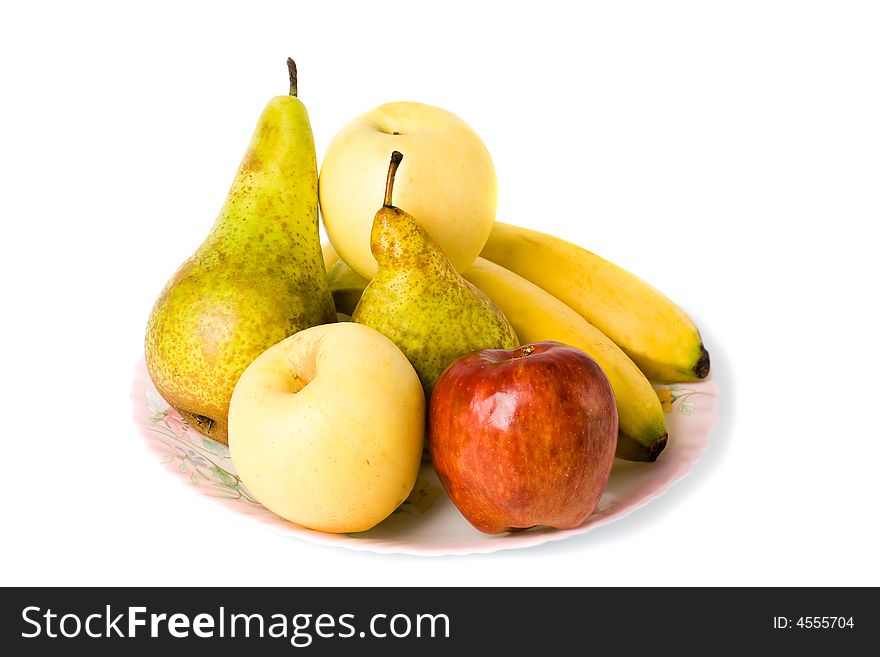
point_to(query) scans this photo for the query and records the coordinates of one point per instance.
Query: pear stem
(396, 157)
(291, 71)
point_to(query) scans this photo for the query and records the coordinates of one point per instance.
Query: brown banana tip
(701, 369)
(658, 446)
(630, 450)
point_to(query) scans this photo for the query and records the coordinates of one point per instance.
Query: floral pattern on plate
(427, 523)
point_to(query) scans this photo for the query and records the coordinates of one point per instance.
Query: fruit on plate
(523, 437)
(537, 315)
(419, 300)
(257, 278)
(658, 335)
(326, 427)
(449, 184)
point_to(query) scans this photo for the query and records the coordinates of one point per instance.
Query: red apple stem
(291, 71)
(396, 157)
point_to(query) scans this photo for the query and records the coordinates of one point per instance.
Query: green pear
(420, 301)
(257, 278)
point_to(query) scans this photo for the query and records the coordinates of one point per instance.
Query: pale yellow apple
(447, 181)
(326, 427)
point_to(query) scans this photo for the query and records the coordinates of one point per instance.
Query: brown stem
(396, 157)
(291, 70)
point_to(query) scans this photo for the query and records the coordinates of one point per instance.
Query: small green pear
(420, 301)
(257, 278)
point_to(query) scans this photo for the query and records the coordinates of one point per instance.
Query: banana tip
(630, 450)
(657, 447)
(701, 369)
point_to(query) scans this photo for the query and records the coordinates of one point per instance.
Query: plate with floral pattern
(427, 523)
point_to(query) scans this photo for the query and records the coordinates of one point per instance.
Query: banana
(536, 315)
(656, 334)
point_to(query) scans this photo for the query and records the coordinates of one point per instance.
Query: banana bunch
(658, 335)
(551, 289)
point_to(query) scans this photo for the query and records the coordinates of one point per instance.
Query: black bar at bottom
(435, 620)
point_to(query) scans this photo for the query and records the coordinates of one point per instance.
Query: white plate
(428, 523)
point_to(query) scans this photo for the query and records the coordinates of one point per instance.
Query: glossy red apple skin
(523, 437)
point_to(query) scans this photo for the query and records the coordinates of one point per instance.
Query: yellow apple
(447, 181)
(326, 427)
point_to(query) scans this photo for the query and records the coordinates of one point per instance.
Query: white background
(729, 153)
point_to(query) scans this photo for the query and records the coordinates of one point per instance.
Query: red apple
(523, 437)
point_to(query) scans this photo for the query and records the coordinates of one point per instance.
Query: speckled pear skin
(257, 278)
(422, 303)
